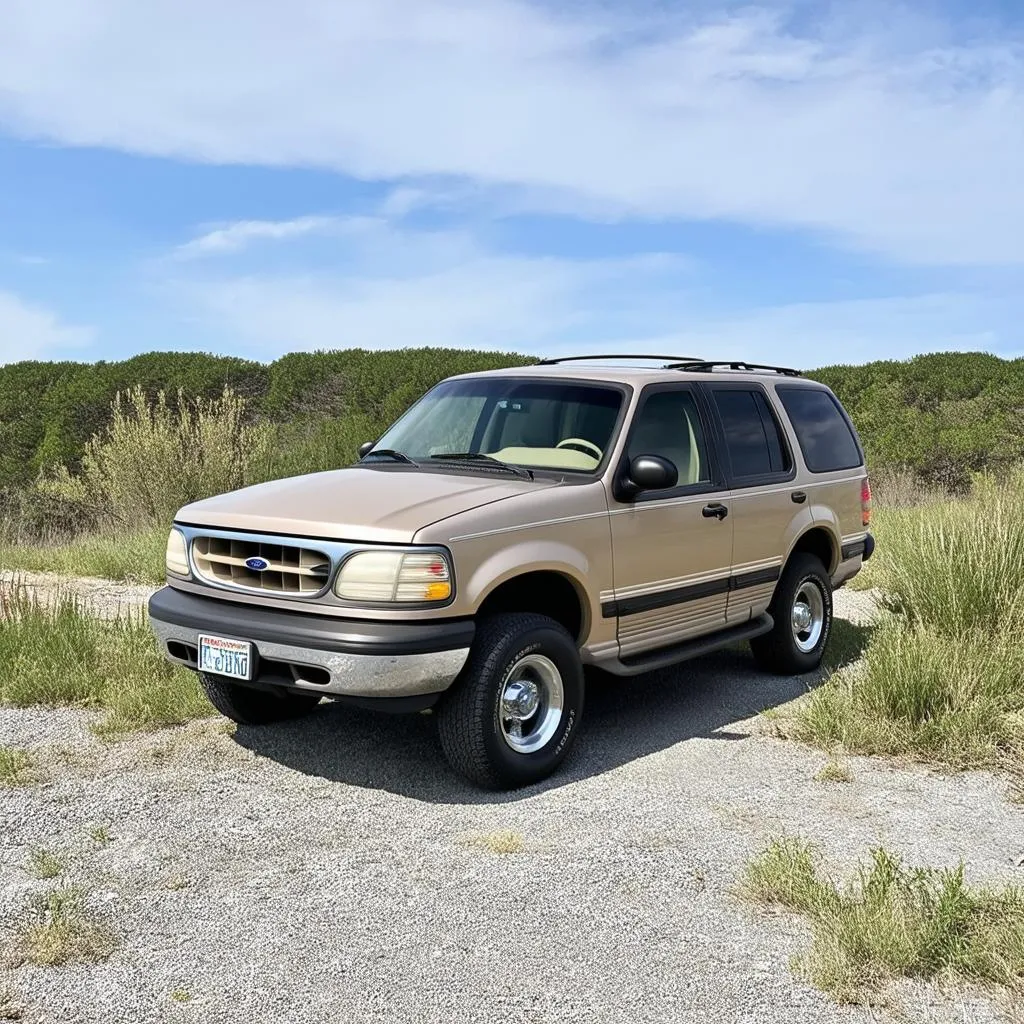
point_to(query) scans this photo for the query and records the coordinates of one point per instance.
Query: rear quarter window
(825, 435)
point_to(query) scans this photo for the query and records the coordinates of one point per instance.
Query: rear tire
(802, 610)
(249, 706)
(514, 712)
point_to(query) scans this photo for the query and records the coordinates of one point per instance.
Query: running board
(637, 664)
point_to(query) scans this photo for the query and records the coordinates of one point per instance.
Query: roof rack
(702, 366)
(631, 355)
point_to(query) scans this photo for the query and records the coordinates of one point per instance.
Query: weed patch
(892, 921)
(44, 863)
(501, 841)
(17, 767)
(59, 655)
(60, 929)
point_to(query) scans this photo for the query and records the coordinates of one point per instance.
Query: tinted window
(824, 435)
(669, 425)
(751, 433)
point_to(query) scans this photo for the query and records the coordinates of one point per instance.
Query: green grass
(892, 921)
(16, 767)
(131, 558)
(59, 655)
(941, 677)
(60, 929)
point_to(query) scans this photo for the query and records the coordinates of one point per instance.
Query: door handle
(799, 497)
(716, 510)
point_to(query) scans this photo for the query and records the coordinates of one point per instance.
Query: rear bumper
(318, 653)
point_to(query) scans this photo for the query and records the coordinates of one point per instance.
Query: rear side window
(751, 433)
(824, 434)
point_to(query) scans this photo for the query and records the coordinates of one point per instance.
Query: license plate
(222, 657)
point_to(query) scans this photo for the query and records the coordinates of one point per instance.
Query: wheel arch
(548, 591)
(819, 541)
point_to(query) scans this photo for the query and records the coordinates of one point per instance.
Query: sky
(802, 183)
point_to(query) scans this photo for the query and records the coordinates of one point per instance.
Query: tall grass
(127, 557)
(942, 677)
(58, 654)
(892, 921)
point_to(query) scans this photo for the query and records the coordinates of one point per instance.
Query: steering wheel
(587, 447)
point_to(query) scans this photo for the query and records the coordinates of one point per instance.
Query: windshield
(537, 424)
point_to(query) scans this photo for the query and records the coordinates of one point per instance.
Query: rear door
(672, 548)
(767, 509)
(834, 459)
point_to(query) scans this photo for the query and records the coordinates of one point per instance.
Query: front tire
(802, 610)
(249, 706)
(514, 712)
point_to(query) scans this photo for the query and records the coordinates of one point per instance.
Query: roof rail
(700, 365)
(630, 355)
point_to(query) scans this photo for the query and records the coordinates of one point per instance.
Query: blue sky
(804, 183)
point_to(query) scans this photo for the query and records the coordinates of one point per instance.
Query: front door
(672, 548)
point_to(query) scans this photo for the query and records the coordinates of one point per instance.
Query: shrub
(892, 921)
(153, 458)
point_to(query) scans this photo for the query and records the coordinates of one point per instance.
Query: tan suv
(515, 526)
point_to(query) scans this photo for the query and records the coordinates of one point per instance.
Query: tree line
(943, 415)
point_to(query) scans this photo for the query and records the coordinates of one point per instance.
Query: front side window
(668, 424)
(530, 423)
(751, 433)
(825, 437)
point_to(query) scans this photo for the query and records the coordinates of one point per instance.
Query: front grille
(290, 569)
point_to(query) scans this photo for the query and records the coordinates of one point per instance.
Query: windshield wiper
(486, 460)
(390, 453)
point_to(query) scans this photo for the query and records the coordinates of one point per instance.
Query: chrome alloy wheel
(808, 616)
(532, 698)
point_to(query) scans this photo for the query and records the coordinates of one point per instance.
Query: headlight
(177, 556)
(395, 576)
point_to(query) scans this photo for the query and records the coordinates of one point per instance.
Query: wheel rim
(807, 618)
(531, 703)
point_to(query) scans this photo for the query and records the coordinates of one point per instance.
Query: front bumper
(318, 653)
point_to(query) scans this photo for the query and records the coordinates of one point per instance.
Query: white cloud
(31, 332)
(229, 238)
(389, 286)
(900, 141)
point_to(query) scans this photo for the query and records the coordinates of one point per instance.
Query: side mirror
(649, 473)
(365, 448)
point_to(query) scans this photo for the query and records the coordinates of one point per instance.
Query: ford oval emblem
(257, 564)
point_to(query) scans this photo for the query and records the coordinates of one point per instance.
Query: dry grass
(501, 841)
(17, 767)
(834, 771)
(60, 929)
(45, 864)
(892, 921)
(57, 654)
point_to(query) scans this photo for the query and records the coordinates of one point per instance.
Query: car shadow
(624, 719)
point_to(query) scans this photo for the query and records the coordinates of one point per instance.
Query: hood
(385, 505)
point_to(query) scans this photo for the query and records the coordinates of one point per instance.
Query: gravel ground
(334, 869)
(102, 597)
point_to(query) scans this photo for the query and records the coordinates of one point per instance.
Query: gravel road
(333, 869)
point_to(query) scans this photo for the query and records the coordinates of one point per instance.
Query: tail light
(865, 502)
